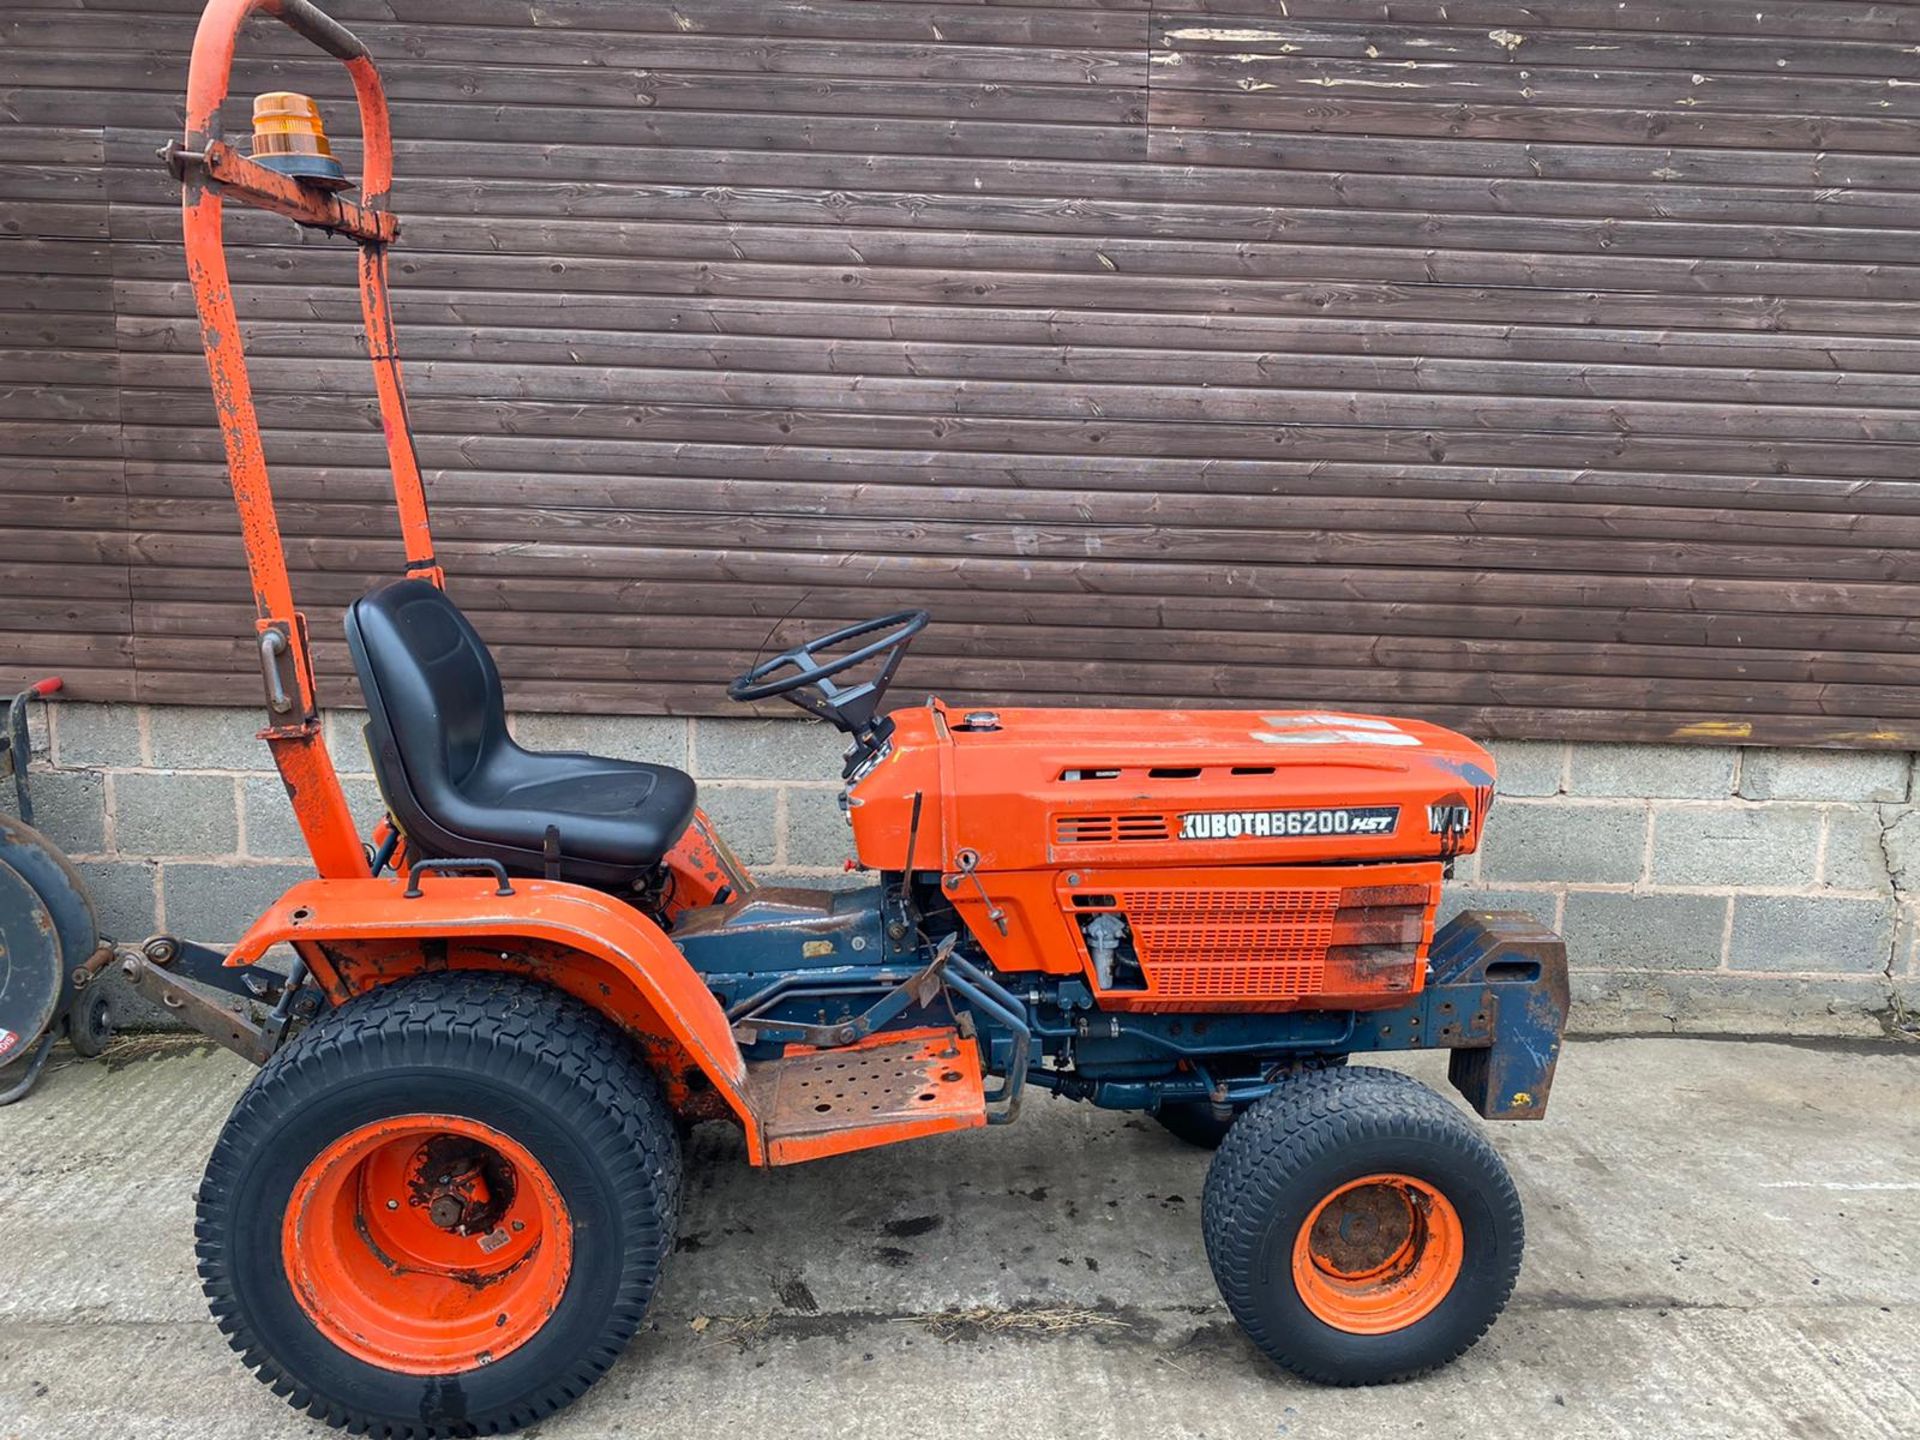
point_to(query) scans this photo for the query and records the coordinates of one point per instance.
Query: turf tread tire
(563, 1054)
(1302, 1130)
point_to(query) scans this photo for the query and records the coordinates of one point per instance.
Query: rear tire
(1361, 1228)
(571, 1174)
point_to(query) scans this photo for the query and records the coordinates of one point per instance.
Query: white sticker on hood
(1331, 730)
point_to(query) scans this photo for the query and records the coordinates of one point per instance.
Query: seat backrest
(433, 694)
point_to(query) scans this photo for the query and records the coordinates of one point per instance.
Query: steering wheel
(811, 686)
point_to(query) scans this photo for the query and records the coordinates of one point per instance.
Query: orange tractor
(443, 1204)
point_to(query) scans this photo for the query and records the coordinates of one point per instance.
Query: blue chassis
(792, 966)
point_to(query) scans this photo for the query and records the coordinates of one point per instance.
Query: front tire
(442, 1209)
(1361, 1229)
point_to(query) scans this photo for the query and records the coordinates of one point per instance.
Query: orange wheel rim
(1378, 1254)
(427, 1244)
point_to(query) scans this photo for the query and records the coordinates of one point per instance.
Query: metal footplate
(896, 1086)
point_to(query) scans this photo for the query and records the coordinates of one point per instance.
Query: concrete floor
(1723, 1243)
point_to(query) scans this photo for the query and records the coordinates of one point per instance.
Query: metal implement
(50, 947)
(31, 983)
(195, 984)
(16, 746)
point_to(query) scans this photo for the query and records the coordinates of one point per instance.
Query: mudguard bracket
(1497, 996)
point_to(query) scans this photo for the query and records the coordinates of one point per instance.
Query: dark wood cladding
(1547, 369)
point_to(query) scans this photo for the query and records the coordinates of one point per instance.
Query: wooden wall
(1545, 369)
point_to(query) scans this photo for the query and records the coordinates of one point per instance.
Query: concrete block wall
(1714, 888)
(1700, 888)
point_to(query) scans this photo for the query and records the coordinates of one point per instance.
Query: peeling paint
(1227, 36)
(1507, 40)
(1329, 83)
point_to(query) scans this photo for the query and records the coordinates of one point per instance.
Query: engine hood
(1027, 789)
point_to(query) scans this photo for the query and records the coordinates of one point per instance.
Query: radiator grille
(1268, 944)
(1197, 943)
(1109, 829)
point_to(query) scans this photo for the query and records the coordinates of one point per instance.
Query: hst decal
(1285, 824)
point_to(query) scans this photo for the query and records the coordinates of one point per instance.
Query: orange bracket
(241, 179)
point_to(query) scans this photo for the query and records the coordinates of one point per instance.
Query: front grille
(1267, 946)
(1196, 943)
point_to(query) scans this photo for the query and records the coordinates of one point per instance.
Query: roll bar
(211, 171)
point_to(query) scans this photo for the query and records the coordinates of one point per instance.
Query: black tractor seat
(456, 782)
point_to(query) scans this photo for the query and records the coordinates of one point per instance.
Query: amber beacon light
(289, 137)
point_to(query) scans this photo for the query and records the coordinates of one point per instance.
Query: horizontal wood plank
(1543, 369)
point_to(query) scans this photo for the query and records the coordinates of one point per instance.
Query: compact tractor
(443, 1204)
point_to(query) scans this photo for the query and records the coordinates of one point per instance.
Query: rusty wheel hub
(465, 1187)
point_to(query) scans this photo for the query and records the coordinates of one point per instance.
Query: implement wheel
(1360, 1227)
(90, 1023)
(442, 1209)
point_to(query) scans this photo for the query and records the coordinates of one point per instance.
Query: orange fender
(355, 935)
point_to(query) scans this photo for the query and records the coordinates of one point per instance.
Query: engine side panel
(1198, 861)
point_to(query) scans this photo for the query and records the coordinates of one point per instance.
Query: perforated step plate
(891, 1087)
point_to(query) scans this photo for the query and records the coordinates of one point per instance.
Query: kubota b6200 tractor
(443, 1204)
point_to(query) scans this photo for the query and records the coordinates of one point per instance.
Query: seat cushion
(616, 812)
(458, 784)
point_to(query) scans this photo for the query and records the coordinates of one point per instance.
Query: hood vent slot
(1110, 829)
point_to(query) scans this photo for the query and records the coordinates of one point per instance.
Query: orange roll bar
(209, 169)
